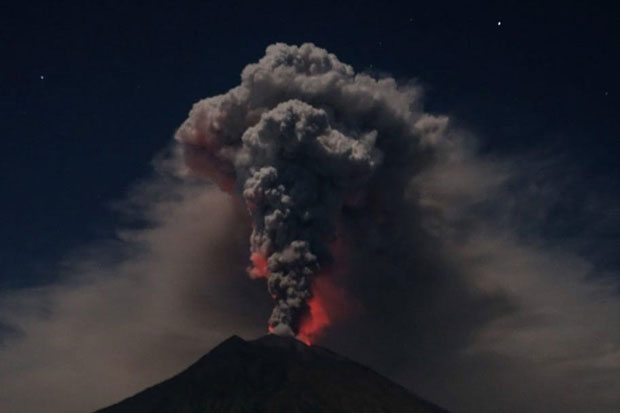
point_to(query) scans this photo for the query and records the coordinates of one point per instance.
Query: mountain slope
(273, 374)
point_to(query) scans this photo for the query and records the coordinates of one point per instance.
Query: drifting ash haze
(362, 212)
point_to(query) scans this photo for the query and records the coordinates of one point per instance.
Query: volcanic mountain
(273, 374)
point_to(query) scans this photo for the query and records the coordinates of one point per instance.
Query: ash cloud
(452, 285)
(435, 248)
(302, 136)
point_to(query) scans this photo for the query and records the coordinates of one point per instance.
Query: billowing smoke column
(302, 137)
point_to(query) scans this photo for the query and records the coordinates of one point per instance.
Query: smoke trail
(300, 139)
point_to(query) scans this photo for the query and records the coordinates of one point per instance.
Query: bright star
(499, 23)
(42, 77)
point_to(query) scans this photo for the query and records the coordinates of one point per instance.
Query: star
(42, 77)
(499, 23)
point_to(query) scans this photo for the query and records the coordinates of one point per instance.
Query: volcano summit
(274, 374)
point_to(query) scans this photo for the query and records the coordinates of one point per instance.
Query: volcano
(273, 374)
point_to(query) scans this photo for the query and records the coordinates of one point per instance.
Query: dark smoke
(302, 138)
(438, 254)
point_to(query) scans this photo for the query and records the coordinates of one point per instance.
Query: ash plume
(302, 137)
(440, 254)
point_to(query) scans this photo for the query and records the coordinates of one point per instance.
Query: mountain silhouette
(273, 374)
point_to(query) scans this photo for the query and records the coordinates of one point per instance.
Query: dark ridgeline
(273, 374)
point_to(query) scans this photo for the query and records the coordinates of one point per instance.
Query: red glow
(330, 302)
(317, 316)
(203, 161)
(315, 321)
(259, 266)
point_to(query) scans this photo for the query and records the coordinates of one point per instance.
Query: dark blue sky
(90, 93)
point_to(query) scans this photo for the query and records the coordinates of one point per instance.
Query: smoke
(356, 204)
(132, 311)
(361, 200)
(300, 139)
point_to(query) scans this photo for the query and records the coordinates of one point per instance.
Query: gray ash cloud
(302, 136)
(456, 287)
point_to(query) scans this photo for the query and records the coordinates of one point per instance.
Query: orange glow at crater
(320, 307)
(315, 321)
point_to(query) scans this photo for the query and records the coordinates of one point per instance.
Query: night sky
(92, 93)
